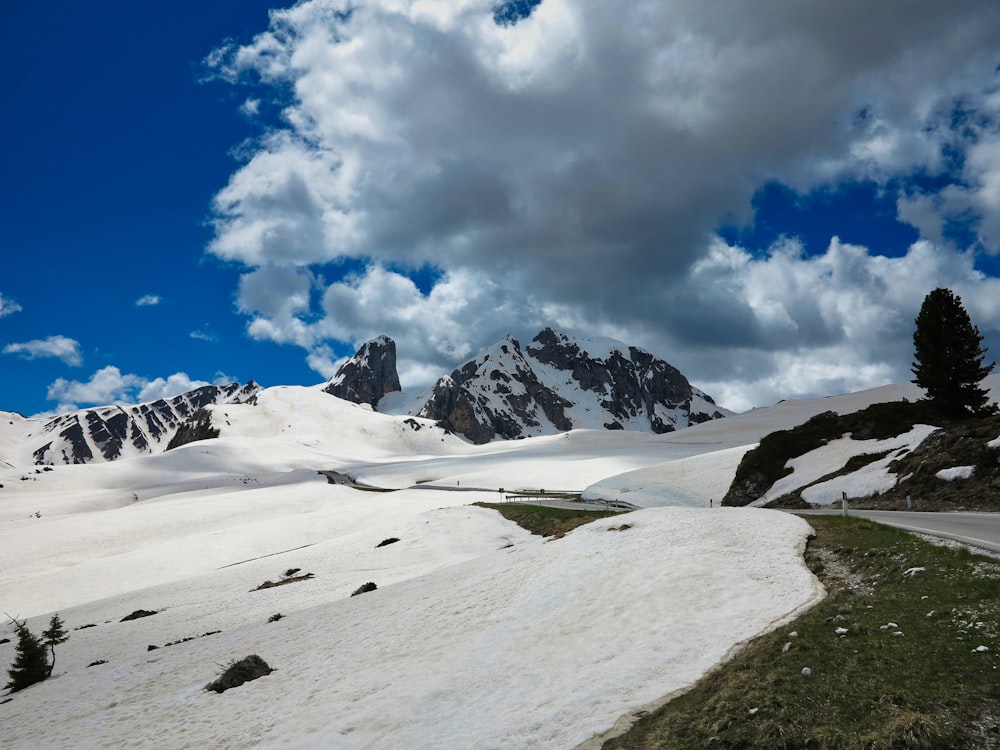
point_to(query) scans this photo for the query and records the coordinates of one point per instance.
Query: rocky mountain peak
(367, 376)
(560, 382)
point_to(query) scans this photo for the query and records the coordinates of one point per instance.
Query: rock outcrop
(367, 376)
(558, 383)
(108, 433)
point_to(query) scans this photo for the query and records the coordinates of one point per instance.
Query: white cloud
(168, 387)
(571, 170)
(276, 296)
(8, 306)
(440, 328)
(749, 330)
(205, 335)
(974, 199)
(110, 386)
(322, 360)
(106, 386)
(148, 300)
(250, 107)
(60, 347)
(808, 326)
(827, 371)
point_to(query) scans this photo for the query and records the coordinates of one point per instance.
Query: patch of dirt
(831, 567)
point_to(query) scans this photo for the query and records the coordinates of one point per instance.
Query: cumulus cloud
(572, 168)
(106, 386)
(799, 326)
(148, 300)
(8, 306)
(109, 385)
(168, 387)
(60, 347)
(971, 129)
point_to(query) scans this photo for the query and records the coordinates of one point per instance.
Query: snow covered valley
(479, 635)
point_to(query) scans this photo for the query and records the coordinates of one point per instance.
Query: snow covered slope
(701, 461)
(478, 634)
(107, 433)
(542, 643)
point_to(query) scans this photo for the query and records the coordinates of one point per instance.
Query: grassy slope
(957, 443)
(927, 688)
(544, 521)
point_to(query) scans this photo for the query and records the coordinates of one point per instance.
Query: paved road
(977, 529)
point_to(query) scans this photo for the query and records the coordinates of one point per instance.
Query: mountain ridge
(554, 384)
(108, 433)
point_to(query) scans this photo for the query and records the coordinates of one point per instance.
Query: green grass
(544, 521)
(868, 689)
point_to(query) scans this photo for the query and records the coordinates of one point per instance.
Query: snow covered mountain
(189, 535)
(559, 383)
(555, 384)
(107, 433)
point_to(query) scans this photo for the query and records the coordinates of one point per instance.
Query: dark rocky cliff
(367, 376)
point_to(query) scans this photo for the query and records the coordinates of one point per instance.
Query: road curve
(975, 529)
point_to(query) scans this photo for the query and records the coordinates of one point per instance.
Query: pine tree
(55, 635)
(949, 356)
(31, 662)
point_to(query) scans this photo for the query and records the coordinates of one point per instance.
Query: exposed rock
(246, 669)
(367, 376)
(559, 383)
(108, 433)
(137, 614)
(199, 427)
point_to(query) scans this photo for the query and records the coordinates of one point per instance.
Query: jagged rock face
(111, 432)
(558, 383)
(198, 427)
(367, 376)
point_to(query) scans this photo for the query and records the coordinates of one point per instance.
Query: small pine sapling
(55, 635)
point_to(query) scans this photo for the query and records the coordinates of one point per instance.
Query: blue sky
(114, 149)
(199, 192)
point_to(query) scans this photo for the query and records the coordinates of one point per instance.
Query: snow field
(68, 561)
(479, 635)
(693, 481)
(539, 644)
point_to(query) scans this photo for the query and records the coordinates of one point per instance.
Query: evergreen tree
(52, 637)
(949, 356)
(31, 663)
